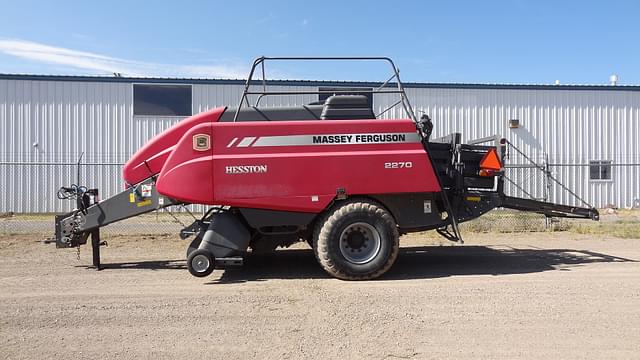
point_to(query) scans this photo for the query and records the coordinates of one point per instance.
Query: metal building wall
(47, 124)
(564, 128)
(51, 122)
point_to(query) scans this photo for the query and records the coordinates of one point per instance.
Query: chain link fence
(156, 223)
(29, 202)
(29, 199)
(161, 223)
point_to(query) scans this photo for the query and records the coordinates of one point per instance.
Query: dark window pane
(162, 100)
(605, 171)
(594, 171)
(330, 91)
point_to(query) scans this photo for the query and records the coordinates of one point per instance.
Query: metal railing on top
(382, 89)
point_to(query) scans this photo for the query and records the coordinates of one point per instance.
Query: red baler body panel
(150, 159)
(293, 165)
(187, 173)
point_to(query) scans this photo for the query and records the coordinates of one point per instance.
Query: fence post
(547, 186)
(545, 179)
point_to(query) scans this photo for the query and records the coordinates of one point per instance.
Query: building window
(162, 100)
(325, 92)
(600, 169)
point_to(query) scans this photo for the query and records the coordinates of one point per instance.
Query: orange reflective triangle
(491, 161)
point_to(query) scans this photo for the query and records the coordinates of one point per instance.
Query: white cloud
(102, 64)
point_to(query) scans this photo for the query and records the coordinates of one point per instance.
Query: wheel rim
(360, 243)
(200, 263)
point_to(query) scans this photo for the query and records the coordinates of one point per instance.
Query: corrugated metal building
(586, 136)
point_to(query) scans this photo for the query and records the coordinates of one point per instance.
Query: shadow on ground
(424, 263)
(143, 265)
(413, 263)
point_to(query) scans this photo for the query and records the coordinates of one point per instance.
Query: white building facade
(584, 136)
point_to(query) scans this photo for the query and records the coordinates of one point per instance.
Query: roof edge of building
(410, 85)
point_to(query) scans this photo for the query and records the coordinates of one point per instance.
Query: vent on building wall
(613, 80)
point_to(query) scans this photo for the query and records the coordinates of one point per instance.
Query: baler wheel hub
(360, 243)
(201, 263)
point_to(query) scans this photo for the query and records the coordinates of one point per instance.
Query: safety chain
(180, 222)
(176, 219)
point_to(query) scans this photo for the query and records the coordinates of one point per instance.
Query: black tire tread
(195, 243)
(323, 227)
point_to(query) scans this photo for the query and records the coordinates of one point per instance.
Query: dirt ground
(535, 295)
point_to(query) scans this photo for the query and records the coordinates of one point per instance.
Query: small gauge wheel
(200, 263)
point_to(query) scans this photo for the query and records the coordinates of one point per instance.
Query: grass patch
(505, 222)
(625, 229)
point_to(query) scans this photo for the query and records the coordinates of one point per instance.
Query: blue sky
(515, 41)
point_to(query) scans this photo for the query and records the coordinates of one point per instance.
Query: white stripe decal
(232, 142)
(338, 139)
(253, 142)
(246, 142)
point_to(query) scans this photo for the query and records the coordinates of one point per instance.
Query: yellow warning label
(144, 203)
(473, 198)
(132, 198)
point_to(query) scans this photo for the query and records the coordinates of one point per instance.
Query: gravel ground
(536, 295)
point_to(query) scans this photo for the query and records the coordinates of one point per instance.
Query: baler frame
(91, 214)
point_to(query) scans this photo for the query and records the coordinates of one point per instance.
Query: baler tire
(364, 216)
(197, 260)
(194, 245)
